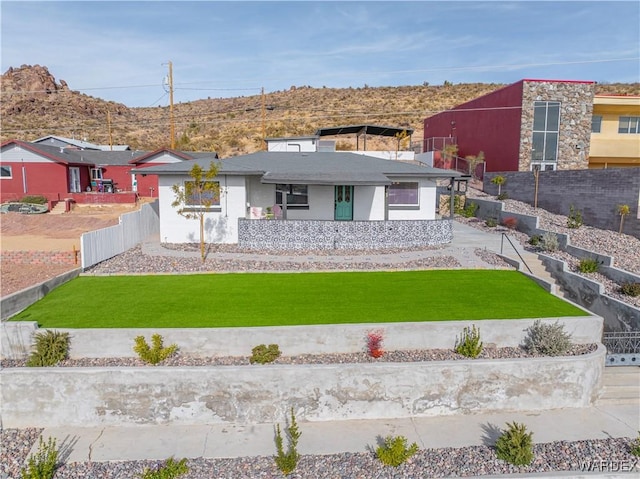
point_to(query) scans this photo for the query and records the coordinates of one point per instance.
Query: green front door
(344, 203)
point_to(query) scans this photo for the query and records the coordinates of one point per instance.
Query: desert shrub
(588, 265)
(503, 196)
(547, 339)
(469, 344)
(630, 289)
(155, 353)
(34, 199)
(469, 210)
(491, 222)
(169, 470)
(287, 461)
(574, 220)
(515, 445)
(49, 348)
(634, 448)
(550, 241)
(264, 354)
(510, 222)
(42, 464)
(535, 240)
(394, 451)
(374, 343)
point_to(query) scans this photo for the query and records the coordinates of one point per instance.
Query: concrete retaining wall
(55, 397)
(293, 340)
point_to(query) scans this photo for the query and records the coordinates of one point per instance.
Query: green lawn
(226, 300)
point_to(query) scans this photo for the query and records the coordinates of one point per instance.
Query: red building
(83, 175)
(528, 124)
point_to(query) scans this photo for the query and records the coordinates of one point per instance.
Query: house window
(96, 174)
(546, 127)
(403, 193)
(209, 194)
(297, 195)
(629, 124)
(596, 123)
(543, 166)
(5, 172)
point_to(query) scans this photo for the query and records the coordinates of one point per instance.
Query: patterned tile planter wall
(294, 234)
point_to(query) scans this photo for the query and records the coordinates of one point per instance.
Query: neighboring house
(60, 141)
(615, 132)
(85, 176)
(316, 200)
(530, 124)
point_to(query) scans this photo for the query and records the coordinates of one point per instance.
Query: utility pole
(264, 125)
(109, 127)
(171, 120)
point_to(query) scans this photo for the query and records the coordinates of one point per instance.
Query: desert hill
(34, 104)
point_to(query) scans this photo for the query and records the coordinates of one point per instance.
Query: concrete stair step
(621, 385)
(58, 209)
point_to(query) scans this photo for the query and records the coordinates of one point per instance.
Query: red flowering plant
(374, 343)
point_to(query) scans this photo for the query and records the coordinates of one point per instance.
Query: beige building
(615, 132)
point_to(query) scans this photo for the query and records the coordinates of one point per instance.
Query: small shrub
(547, 339)
(634, 448)
(535, 240)
(156, 353)
(288, 461)
(374, 343)
(169, 470)
(550, 241)
(34, 199)
(469, 344)
(515, 445)
(499, 180)
(510, 222)
(394, 451)
(491, 222)
(630, 289)
(588, 265)
(574, 220)
(49, 348)
(503, 196)
(264, 354)
(42, 464)
(623, 210)
(470, 209)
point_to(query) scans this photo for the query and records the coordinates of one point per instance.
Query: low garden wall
(112, 396)
(294, 340)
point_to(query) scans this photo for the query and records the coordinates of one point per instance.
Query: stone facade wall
(308, 234)
(595, 193)
(576, 109)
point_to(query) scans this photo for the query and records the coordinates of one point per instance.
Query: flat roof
(367, 129)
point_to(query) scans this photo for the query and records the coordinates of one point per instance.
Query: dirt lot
(48, 232)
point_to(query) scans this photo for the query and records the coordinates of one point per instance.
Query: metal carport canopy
(368, 129)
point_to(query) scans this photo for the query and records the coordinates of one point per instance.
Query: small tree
(623, 210)
(499, 180)
(402, 138)
(196, 196)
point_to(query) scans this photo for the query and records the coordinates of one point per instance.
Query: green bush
(469, 210)
(574, 220)
(547, 339)
(535, 240)
(550, 241)
(42, 464)
(469, 344)
(588, 265)
(630, 289)
(394, 451)
(491, 222)
(49, 348)
(169, 470)
(503, 196)
(157, 352)
(264, 354)
(515, 445)
(287, 461)
(634, 448)
(34, 199)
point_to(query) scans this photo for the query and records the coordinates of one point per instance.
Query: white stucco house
(309, 199)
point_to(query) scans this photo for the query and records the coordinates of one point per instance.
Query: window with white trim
(96, 174)
(297, 195)
(403, 193)
(207, 195)
(546, 129)
(629, 124)
(6, 172)
(596, 124)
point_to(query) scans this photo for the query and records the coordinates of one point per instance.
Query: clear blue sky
(119, 50)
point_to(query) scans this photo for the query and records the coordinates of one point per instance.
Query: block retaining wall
(70, 258)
